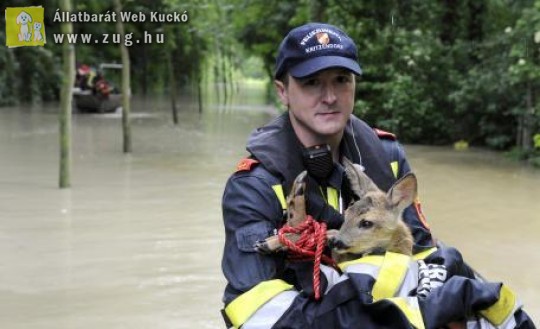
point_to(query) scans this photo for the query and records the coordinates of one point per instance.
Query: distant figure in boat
(83, 77)
(88, 78)
(102, 88)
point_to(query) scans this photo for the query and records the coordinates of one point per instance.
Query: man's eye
(364, 223)
(310, 82)
(343, 78)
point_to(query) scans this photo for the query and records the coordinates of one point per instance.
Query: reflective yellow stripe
(424, 254)
(412, 312)
(278, 189)
(391, 275)
(333, 197)
(240, 309)
(370, 259)
(395, 168)
(502, 309)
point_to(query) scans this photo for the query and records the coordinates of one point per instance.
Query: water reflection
(136, 242)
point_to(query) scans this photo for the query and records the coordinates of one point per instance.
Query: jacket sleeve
(258, 293)
(251, 212)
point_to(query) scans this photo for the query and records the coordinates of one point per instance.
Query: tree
(262, 28)
(126, 90)
(525, 73)
(68, 58)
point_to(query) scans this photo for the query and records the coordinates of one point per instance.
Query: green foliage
(434, 72)
(535, 161)
(253, 68)
(28, 74)
(262, 27)
(536, 140)
(8, 69)
(532, 157)
(441, 72)
(39, 80)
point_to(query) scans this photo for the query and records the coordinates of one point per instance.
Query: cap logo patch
(318, 32)
(323, 38)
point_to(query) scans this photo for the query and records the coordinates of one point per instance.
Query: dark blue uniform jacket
(252, 212)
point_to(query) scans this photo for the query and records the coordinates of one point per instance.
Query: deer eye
(364, 223)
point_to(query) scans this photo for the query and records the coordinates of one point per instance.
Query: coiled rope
(309, 246)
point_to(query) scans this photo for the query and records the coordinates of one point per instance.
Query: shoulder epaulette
(246, 164)
(385, 134)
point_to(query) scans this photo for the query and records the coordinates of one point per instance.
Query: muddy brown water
(136, 241)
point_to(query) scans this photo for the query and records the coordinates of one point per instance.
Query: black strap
(228, 322)
(335, 297)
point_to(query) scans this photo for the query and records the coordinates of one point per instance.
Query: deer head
(374, 221)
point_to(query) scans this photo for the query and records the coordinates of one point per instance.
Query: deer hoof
(262, 247)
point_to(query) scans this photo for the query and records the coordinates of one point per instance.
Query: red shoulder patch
(384, 134)
(421, 216)
(246, 164)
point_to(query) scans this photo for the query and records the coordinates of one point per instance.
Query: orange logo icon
(323, 38)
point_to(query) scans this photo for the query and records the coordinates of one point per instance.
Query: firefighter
(315, 77)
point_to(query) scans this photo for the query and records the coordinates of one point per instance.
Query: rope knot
(309, 246)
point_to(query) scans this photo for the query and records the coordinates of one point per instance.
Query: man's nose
(329, 93)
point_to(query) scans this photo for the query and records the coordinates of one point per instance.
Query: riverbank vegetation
(435, 72)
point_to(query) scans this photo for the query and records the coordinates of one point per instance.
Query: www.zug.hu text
(107, 38)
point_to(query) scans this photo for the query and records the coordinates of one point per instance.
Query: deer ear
(360, 182)
(403, 193)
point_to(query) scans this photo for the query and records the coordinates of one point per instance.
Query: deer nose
(334, 243)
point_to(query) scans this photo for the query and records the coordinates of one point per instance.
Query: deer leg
(296, 214)
(296, 202)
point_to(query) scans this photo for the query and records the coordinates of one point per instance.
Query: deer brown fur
(373, 222)
(296, 214)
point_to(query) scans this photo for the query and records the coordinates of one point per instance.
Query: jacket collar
(278, 149)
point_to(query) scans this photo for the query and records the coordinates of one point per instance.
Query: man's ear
(281, 90)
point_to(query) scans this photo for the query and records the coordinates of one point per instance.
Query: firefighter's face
(319, 105)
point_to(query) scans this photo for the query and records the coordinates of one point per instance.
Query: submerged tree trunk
(216, 82)
(172, 87)
(199, 90)
(526, 133)
(126, 90)
(68, 58)
(223, 75)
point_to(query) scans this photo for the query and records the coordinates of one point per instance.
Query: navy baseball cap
(310, 48)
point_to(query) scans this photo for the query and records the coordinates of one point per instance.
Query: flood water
(136, 241)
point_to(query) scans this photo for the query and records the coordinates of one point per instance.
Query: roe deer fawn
(372, 222)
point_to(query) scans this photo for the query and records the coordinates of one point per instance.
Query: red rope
(309, 246)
